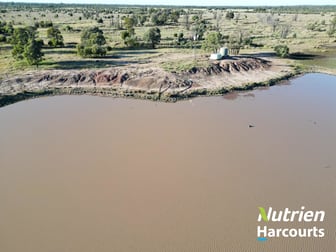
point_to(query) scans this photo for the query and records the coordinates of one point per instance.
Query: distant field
(301, 29)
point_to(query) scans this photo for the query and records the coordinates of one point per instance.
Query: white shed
(215, 56)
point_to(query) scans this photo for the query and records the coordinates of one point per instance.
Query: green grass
(245, 22)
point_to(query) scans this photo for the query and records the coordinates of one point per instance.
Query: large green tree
(32, 52)
(212, 42)
(26, 46)
(153, 36)
(20, 38)
(55, 37)
(92, 43)
(128, 36)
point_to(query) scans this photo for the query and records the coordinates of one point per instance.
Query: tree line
(27, 46)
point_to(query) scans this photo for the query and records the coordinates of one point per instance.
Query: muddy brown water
(83, 173)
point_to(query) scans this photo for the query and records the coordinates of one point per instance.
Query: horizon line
(175, 5)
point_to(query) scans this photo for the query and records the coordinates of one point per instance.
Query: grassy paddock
(303, 29)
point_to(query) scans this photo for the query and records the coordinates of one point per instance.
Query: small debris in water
(314, 122)
(251, 126)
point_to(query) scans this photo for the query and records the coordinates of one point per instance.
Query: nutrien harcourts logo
(289, 216)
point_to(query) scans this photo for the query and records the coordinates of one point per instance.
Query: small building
(223, 52)
(215, 56)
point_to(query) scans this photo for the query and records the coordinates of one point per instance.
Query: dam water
(84, 173)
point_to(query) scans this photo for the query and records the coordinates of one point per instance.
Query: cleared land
(175, 69)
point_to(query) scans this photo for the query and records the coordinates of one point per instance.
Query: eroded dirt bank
(148, 81)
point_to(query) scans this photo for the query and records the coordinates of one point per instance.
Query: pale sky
(193, 2)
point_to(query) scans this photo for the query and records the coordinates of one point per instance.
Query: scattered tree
(179, 38)
(313, 26)
(142, 19)
(55, 37)
(186, 20)
(235, 43)
(281, 51)
(92, 43)
(199, 28)
(129, 23)
(229, 15)
(212, 42)
(295, 17)
(174, 16)
(6, 29)
(117, 22)
(284, 31)
(159, 18)
(153, 36)
(43, 24)
(236, 17)
(273, 22)
(218, 16)
(332, 27)
(26, 46)
(164, 16)
(128, 36)
(32, 52)
(20, 39)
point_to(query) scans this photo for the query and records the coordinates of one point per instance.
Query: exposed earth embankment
(148, 81)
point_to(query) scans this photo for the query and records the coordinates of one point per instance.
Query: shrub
(281, 51)
(2, 38)
(229, 15)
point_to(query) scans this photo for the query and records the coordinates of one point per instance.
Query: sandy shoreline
(147, 81)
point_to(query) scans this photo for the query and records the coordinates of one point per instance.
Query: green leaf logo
(263, 214)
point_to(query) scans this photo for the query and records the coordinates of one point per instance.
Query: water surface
(83, 173)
